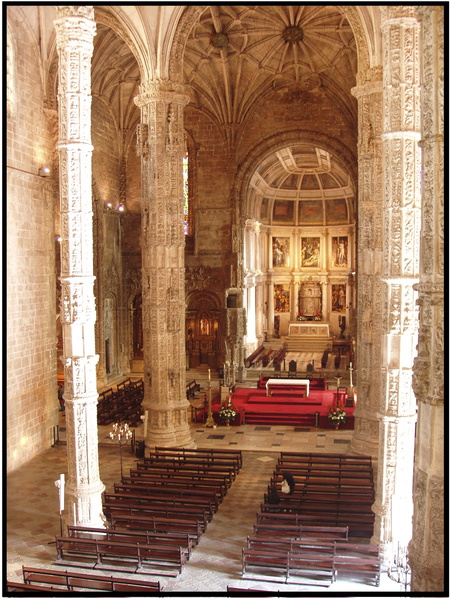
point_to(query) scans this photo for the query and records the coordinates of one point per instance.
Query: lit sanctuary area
(225, 299)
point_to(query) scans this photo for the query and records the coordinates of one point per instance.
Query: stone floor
(32, 517)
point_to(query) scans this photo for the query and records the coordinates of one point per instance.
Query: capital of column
(162, 90)
(399, 14)
(369, 86)
(75, 27)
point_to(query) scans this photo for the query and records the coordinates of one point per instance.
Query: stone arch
(242, 181)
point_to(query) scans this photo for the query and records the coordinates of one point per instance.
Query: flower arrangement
(318, 316)
(337, 415)
(301, 316)
(227, 412)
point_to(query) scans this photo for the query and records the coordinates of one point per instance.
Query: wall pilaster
(426, 549)
(161, 145)
(75, 30)
(393, 506)
(369, 296)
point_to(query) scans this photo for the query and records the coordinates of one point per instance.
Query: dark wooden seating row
(184, 459)
(126, 507)
(212, 453)
(175, 494)
(251, 360)
(227, 473)
(106, 551)
(123, 405)
(182, 540)
(316, 568)
(359, 524)
(14, 587)
(341, 470)
(143, 522)
(326, 562)
(73, 581)
(164, 486)
(318, 458)
(263, 542)
(331, 480)
(304, 527)
(191, 388)
(165, 503)
(200, 481)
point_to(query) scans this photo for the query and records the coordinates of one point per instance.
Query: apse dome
(302, 185)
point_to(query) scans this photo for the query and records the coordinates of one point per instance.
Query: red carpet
(253, 406)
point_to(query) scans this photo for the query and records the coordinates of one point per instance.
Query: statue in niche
(204, 325)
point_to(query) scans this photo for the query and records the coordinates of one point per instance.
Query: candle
(209, 375)
(350, 365)
(61, 490)
(146, 413)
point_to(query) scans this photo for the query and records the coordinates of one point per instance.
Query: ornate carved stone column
(400, 271)
(369, 300)
(75, 30)
(426, 549)
(161, 146)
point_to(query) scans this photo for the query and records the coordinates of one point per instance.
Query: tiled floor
(33, 519)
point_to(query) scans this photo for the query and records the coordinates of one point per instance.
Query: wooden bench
(191, 388)
(144, 537)
(113, 507)
(305, 528)
(157, 524)
(26, 588)
(262, 542)
(175, 495)
(358, 561)
(169, 503)
(178, 481)
(173, 488)
(203, 452)
(225, 473)
(325, 458)
(106, 550)
(204, 461)
(232, 591)
(73, 581)
(358, 525)
(313, 567)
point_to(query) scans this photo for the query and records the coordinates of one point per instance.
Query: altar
(310, 328)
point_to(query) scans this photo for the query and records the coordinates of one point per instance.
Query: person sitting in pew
(273, 498)
(287, 483)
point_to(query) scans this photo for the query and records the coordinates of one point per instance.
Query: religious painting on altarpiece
(310, 250)
(340, 251)
(280, 252)
(338, 297)
(281, 298)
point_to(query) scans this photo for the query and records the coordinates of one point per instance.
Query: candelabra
(400, 570)
(121, 434)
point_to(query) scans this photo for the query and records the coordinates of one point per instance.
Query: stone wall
(32, 404)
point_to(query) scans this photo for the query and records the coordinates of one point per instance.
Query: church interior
(225, 227)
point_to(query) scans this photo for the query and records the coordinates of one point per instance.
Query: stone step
(308, 343)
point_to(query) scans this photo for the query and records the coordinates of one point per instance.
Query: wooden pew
(187, 513)
(195, 481)
(104, 551)
(73, 581)
(262, 542)
(305, 528)
(230, 464)
(225, 473)
(157, 524)
(268, 560)
(144, 537)
(27, 588)
(165, 503)
(326, 458)
(174, 496)
(358, 562)
(191, 388)
(203, 452)
(172, 487)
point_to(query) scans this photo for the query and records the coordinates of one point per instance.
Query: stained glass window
(185, 194)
